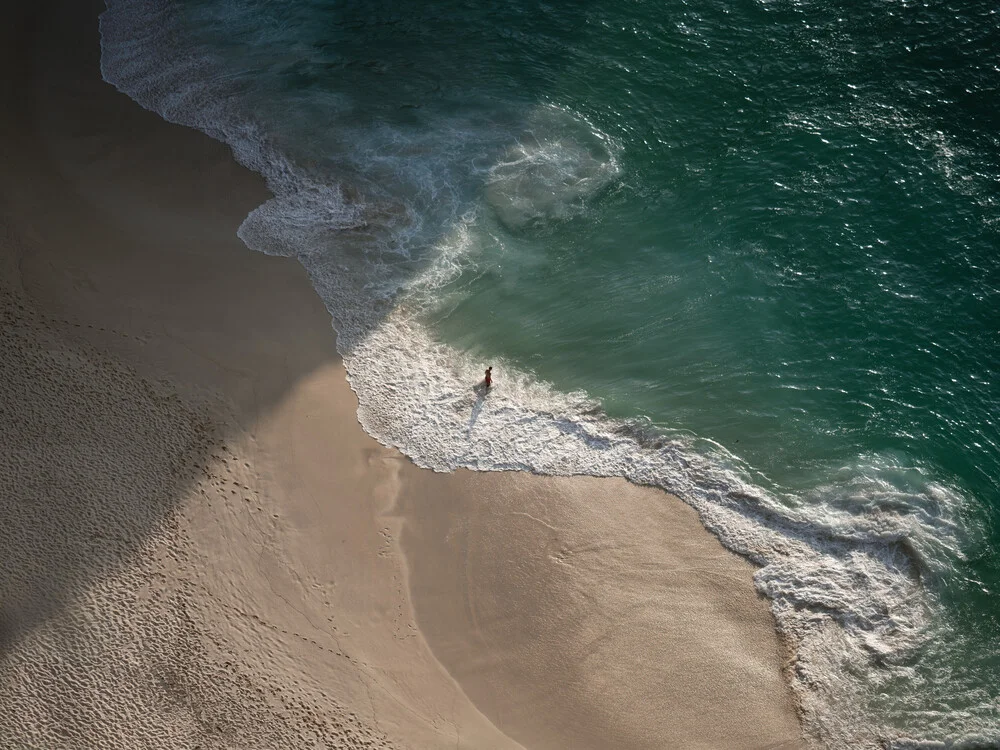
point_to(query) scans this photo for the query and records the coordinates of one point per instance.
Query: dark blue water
(744, 252)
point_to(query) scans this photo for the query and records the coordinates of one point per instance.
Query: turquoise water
(744, 252)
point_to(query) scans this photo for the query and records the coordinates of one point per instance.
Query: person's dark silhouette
(489, 377)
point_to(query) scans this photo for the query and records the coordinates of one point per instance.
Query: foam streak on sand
(201, 545)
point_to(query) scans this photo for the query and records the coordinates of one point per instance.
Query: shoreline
(297, 579)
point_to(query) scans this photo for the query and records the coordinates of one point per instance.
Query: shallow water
(745, 253)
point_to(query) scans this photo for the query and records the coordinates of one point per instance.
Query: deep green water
(770, 227)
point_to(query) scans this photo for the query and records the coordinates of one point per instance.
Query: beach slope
(202, 548)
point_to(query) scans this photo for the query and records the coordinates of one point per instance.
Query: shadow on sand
(482, 391)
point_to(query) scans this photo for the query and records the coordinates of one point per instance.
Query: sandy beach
(200, 546)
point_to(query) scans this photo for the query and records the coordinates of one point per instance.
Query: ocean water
(744, 252)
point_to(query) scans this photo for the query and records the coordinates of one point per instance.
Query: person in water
(489, 377)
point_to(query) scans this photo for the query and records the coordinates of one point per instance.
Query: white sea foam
(842, 566)
(549, 174)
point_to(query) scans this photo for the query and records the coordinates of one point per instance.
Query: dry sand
(200, 548)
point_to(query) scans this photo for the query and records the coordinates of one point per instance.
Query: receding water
(748, 253)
